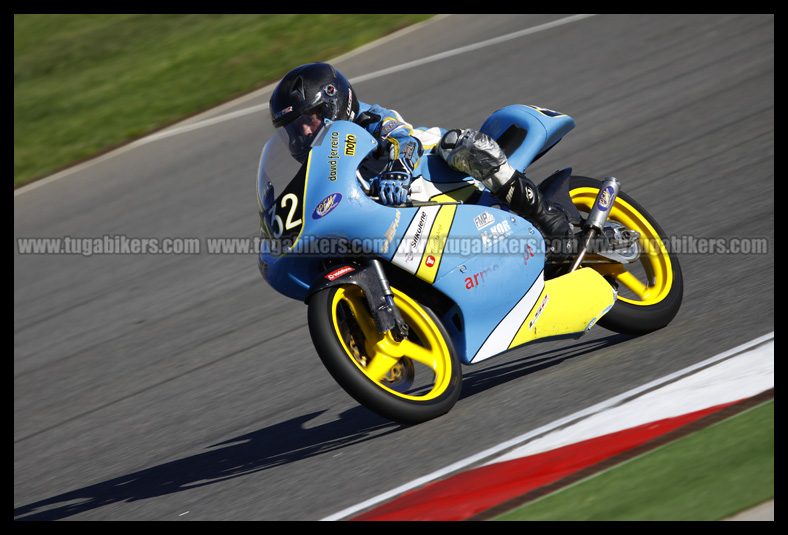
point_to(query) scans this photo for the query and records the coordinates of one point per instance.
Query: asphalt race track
(181, 387)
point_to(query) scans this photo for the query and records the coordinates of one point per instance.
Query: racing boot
(525, 199)
(522, 196)
(480, 156)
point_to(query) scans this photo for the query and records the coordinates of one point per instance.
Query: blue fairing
(488, 258)
(544, 129)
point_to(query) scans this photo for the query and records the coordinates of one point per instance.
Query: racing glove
(393, 184)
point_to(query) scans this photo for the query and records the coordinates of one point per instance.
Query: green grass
(86, 83)
(708, 475)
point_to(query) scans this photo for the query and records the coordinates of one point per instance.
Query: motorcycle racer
(313, 93)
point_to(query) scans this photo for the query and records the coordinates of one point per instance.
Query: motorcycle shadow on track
(280, 444)
(501, 372)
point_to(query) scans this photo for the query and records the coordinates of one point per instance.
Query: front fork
(372, 280)
(387, 308)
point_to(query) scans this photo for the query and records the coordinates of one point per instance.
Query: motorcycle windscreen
(280, 191)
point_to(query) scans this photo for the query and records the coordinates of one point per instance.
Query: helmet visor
(302, 131)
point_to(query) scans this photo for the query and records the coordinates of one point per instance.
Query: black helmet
(305, 98)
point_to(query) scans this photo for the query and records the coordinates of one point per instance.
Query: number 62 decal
(289, 202)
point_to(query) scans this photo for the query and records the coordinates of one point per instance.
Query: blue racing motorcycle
(400, 297)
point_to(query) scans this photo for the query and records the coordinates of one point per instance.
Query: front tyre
(409, 382)
(651, 288)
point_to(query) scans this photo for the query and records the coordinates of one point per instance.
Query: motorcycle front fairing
(295, 201)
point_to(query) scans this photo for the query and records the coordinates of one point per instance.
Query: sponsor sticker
(326, 205)
(414, 243)
(344, 270)
(350, 145)
(484, 219)
(605, 198)
(496, 233)
(538, 311)
(391, 232)
(333, 157)
(278, 114)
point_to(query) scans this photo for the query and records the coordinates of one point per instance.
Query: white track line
(262, 107)
(741, 377)
(609, 404)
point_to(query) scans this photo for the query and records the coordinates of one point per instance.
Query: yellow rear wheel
(651, 288)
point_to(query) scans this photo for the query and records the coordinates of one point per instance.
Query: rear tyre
(651, 288)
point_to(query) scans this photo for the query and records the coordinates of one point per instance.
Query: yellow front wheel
(650, 288)
(408, 381)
